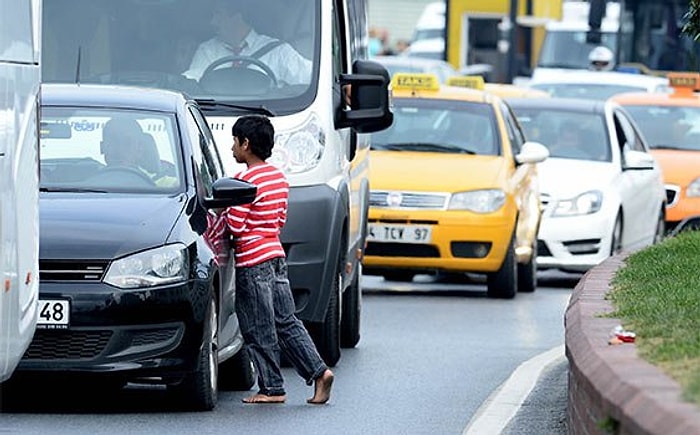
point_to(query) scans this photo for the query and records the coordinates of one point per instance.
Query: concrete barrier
(612, 390)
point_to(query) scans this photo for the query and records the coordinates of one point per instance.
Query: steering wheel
(133, 172)
(242, 62)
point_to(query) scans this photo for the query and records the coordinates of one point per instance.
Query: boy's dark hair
(259, 131)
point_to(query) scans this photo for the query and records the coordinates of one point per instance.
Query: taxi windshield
(669, 127)
(442, 126)
(244, 52)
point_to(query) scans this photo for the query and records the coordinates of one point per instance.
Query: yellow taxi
(671, 124)
(454, 188)
(503, 90)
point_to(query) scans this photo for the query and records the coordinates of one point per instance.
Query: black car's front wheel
(198, 391)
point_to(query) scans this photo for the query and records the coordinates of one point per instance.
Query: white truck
(20, 79)
(568, 42)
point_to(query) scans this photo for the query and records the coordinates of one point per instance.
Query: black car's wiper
(426, 146)
(208, 103)
(558, 65)
(70, 189)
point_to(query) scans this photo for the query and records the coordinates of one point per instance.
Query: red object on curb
(620, 335)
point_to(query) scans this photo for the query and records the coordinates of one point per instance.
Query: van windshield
(250, 53)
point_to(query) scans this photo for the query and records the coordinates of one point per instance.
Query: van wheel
(503, 284)
(237, 373)
(326, 335)
(198, 390)
(527, 273)
(352, 309)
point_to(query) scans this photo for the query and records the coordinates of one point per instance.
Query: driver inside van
(235, 37)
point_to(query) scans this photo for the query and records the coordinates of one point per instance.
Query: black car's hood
(84, 226)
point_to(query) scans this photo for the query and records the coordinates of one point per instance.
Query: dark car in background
(136, 273)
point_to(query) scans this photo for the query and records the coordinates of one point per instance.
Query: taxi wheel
(399, 275)
(660, 227)
(527, 273)
(616, 239)
(503, 284)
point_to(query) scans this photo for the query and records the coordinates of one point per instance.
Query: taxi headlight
(693, 190)
(299, 149)
(478, 201)
(585, 203)
(164, 265)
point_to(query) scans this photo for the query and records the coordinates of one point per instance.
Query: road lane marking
(501, 406)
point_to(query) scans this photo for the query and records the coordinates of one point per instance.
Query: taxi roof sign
(684, 82)
(473, 82)
(415, 81)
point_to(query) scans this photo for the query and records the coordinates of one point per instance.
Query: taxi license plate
(53, 314)
(399, 233)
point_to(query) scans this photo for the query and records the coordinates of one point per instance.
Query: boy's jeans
(265, 309)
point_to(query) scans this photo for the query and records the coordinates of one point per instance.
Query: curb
(611, 390)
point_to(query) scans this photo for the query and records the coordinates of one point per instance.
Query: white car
(602, 191)
(597, 85)
(410, 64)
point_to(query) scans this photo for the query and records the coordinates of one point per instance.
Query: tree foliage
(692, 20)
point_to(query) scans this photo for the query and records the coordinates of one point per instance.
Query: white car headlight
(164, 265)
(585, 203)
(299, 149)
(693, 190)
(478, 201)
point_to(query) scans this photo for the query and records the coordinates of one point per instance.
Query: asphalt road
(431, 355)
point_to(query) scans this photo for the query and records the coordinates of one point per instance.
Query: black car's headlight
(164, 265)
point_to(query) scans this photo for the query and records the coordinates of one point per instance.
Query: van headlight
(164, 265)
(583, 204)
(478, 201)
(299, 149)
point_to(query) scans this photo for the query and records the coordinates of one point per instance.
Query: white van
(428, 38)
(20, 78)
(566, 46)
(320, 143)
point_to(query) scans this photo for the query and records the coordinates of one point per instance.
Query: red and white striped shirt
(256, 226)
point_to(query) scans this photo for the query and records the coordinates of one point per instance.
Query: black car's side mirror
(227, 192)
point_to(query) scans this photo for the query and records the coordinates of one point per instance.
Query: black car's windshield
(108, 151)
(440, 126)
(254, 53)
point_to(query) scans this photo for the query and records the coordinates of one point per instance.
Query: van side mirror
(370, 109)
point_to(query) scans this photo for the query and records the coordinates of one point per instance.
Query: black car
(136, 270)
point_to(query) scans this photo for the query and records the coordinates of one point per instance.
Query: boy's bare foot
(264, 398)
(322, 388)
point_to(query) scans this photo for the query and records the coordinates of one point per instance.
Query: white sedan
(597, 85)
(602, 191)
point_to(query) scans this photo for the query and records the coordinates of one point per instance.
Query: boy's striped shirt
(256, 226)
